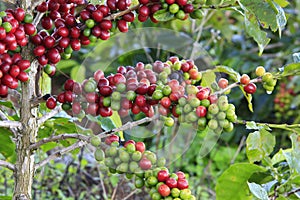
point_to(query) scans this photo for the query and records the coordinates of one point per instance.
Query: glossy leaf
(253, 30)
(269, 14)
(260, 144)
(163, 15)
(282, 3)
(7, 147)
(248, 98)
(293, 157)
(78, 73)
(228, 70)
(291, 69)
(232, 184)
(258, 191)
(45, 84)
(208, 78)
(7, 104)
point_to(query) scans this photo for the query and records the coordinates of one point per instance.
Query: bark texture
(24, 167)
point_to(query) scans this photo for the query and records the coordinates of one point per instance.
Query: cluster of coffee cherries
(179, 8)
(132, 159)
(268, 80)
(283, 102)
(248, 86)
(15, 28)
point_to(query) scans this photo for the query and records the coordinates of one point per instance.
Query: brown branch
(128, 125)
(59, 153)
(56, 138)
(9, 1)
(7, 165)
(37, 18)
(10, 124)
(292, 192)
(130, 194)
(49, 115)
(81, 137)
(83, 140)
(124, 12)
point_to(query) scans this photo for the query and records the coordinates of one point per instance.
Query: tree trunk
(24, 167)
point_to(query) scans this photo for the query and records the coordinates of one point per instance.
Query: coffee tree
(35, 36)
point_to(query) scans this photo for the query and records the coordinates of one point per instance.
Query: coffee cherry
(145, 164)
(260, 71)
(223, 83)
(164, 190)
(95, 141)
(140, 146)
(250, 88)
(99, 155)
(245, 79)
(51, 103)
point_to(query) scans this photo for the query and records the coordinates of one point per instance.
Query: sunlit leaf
(232, 184)
(258, 191)
(260, 144)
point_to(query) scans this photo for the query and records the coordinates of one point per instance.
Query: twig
(292, 192)
(49, 115)
(38, 18)
(7, 165)
(10, 124)
(114, 192)
(233, 85)
(288, 127)
(56, 138)
(3, 117)
(130, 194)
(242, 142)
(102, 183)
(59, 153)
(128, 125)
(9, 1)
(119, 14)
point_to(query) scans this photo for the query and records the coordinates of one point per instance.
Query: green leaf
(266, 12)
(248, 98)
(5, 197)
(279, 156)
(282, 3)
(7, 146)
(78, 73)
(118, 123)
(293, 157)
(260, 144)
(163, 15)
(45, 84)
(253, 30)
(64, 64)
(106, 123)
(228, 70)
(232, 184)
(291, 69)
(114, 179)
(7, 104)
(253, 126)
(280, 19)
(208, 78)
(258, 191)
